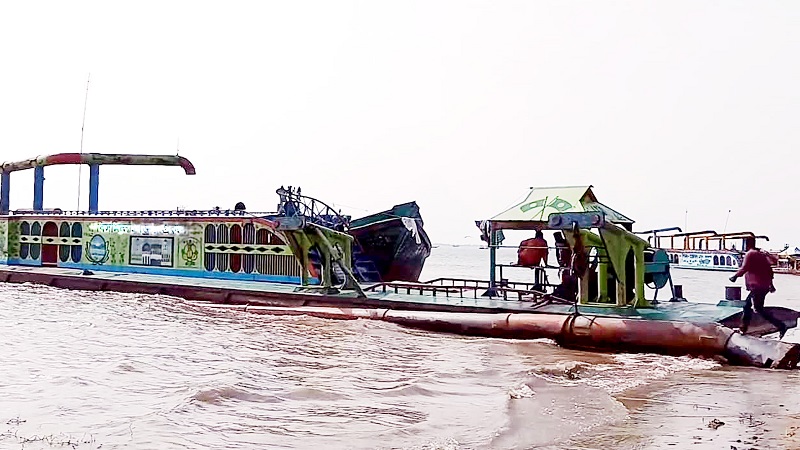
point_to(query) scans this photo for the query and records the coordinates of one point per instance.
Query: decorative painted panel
(3, 240)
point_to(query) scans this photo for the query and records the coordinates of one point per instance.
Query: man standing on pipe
(757, 271)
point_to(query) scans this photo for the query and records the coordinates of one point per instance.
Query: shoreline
(725, 408)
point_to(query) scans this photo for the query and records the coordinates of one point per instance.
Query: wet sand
(727, 408)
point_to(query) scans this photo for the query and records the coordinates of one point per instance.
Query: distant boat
(788, 261)
(702, 250)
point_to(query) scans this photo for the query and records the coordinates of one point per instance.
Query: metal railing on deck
(143, 213)
(459, 288)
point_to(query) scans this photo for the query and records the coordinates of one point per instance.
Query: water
(107, 370)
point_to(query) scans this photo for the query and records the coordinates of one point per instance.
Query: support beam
(492, 258)
(5, 187)
(94, 187)
(38, 188)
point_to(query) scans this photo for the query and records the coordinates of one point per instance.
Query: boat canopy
(533, 212)
(93, 160)
(100, 159)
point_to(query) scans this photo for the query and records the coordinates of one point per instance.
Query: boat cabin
(226, 244)
(610, 264)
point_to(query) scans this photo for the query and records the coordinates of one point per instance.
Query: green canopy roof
(543, 201)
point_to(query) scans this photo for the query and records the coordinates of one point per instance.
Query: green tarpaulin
(541, 202)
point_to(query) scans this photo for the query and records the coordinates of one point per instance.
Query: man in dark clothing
(757, 271)
(563, 252)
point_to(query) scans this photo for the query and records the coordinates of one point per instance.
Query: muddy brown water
(109, 370)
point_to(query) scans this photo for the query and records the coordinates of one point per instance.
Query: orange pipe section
(575, 331)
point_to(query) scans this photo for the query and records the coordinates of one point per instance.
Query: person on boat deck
(563, 252)
(532, 252)
(757, 271)
(568, 289)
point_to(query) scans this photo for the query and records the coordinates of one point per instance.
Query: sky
(679, 113)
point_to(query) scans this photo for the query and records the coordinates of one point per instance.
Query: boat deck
(420, 297)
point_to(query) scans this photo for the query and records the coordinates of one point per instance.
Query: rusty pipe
(574, 331)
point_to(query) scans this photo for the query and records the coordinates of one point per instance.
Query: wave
(218, 396)
(615, 377)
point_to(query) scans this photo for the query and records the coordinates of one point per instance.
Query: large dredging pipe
(575, 331)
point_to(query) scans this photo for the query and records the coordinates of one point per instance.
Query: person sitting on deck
(532, 252)
(568, 289)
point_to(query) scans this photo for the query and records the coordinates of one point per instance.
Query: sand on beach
(728, 408)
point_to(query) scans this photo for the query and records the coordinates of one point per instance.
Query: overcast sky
(461, 106)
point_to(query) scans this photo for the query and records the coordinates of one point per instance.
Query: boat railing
(144, 213)
(293, 203)
(526, 286)
(516, 247)
(467, 289)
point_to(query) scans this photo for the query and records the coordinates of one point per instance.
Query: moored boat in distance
(788, 261)
(702, 250)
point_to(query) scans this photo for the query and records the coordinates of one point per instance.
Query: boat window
(249, 232)
(36, 229)
(63, 229)
(63, 252)
(24, 251)
(222, 234)
(716, 260)
(76, 253)
(77, 230)
(36, 251)
(236, 234)
(210, 234)
(209, 261)
(24, 228)
(728, 260)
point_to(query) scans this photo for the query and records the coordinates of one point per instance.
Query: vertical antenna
(178, 148)
(83, 123)
(726, 221)
(686, 221)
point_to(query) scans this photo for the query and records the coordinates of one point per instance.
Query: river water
(90, 370)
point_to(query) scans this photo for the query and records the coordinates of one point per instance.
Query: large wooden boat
(232, 244)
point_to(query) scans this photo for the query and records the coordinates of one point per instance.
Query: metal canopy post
(492, 256)
(38, 188)
(5, 187)
(94, 187)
